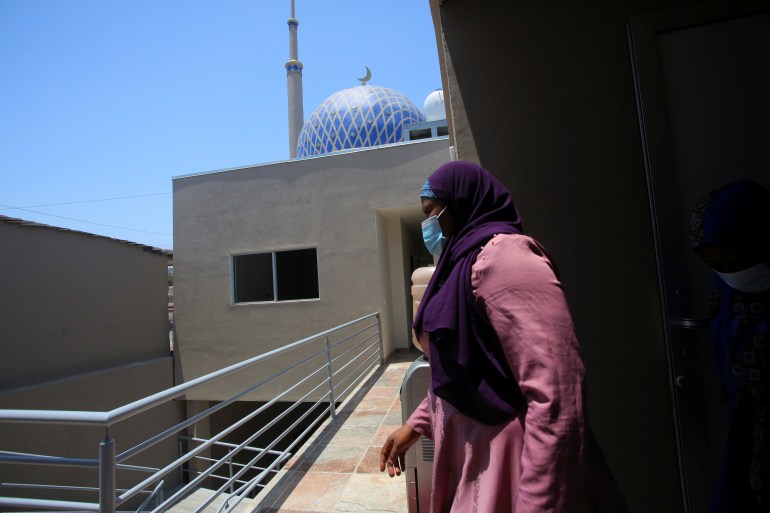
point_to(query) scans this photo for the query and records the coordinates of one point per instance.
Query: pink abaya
(537, 462)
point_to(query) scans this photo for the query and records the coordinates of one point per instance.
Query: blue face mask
(432, 234)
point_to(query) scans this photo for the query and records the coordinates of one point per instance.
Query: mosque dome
(358, 117)
(434, 106)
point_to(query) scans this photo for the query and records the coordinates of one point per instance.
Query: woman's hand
(392, 453)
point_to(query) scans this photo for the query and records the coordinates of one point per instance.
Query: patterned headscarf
(737, 216)
(426, 191)
(468, 368)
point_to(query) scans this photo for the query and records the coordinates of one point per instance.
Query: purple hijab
(468, 367)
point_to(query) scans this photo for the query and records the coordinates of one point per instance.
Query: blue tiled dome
(361, 116)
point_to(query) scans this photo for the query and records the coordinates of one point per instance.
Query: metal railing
(274, 430)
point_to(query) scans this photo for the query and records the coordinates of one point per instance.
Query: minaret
(294, 82)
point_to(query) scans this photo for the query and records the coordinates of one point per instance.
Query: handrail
(223, 444)
(36, 459)
(49, 504)
(314, 386)
(204, 446)
(108, 418)
(130, 452)
(157, 492)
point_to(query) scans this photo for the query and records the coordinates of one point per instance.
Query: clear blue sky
(109, 99)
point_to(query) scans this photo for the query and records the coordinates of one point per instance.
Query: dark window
(253, 277)
(275, 276)
(297, 273)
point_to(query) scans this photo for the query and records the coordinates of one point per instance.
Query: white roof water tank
(434, 106)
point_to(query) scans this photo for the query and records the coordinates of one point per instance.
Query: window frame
(273, 262)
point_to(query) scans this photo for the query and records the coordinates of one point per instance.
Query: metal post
(181, 467)
(230, 467)
(379, 339)
(332, 409)
(107, 462)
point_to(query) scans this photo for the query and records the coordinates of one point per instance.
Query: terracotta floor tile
(303, 459)
(324, 434)
(382, 435)
(361, 418)
(281, 488)
(370, 464)
(393, 418)
(282, 510)
(317, 491)
(296, 461)
(375, 404)
(340, 420)
(395, 372)
(381, 392)
(352, 435)
(373, 494)
(393, 381)
(337, 458)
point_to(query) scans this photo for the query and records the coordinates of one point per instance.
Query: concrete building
(616, 116)
(268, 254)
(84, 327)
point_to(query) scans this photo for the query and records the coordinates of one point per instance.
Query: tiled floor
(338, 470)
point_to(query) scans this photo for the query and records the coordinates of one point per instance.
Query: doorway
(702, 88)
(401, 251)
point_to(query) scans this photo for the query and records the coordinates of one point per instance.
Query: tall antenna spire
(294, 83)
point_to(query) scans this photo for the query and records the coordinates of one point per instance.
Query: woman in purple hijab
(506, 405)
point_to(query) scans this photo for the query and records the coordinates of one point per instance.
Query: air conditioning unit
(419, 458)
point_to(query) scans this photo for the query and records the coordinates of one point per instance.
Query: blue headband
(427, 192)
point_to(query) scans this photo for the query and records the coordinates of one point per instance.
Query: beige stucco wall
(329, 203)
(72, 303)
(83, 326)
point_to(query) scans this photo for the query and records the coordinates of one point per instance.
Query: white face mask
(751, 281)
